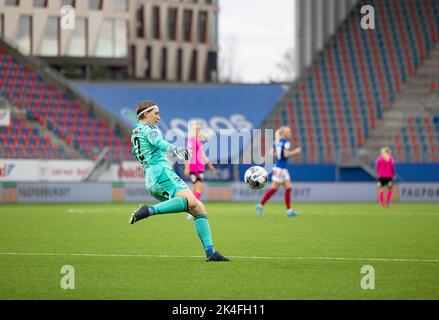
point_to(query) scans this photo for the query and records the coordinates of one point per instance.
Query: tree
(287, 68)
(228, 71)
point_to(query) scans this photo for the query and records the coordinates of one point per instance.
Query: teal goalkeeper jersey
(149, 148)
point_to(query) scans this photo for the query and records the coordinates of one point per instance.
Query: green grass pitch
(318, 255)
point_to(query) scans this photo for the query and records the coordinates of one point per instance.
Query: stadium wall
(332, 173)
(130, 171)
(52, 192)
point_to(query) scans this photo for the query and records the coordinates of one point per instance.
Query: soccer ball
(256, 177)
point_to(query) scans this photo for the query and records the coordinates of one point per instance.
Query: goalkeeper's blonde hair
(385, 153)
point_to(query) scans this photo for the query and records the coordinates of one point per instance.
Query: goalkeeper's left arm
(157, 141)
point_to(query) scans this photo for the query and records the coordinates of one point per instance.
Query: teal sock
(173, 205)
(203, 231)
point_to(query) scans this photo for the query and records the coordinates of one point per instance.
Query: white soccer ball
(256, 177)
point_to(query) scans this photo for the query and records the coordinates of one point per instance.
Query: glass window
(24, 40)
(164, 62)
(113, 39)
(40, 3)
(187, 25)
(2, 25)
(121, 38)
(12, 2)
(105, 42)
(140, 22)
(212, 1)
(51, 38)
(95, 4)
(121, 5)
(68, 3)
(147, 62)
(179, 69)
(202, 26)
(156, 22)
(214, 29)
(78, 41)
(211, 72)
(172, 23)
(194, 63)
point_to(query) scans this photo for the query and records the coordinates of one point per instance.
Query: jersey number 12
(138, 153)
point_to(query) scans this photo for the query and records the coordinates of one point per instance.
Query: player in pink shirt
(195, 166)
(386, 174)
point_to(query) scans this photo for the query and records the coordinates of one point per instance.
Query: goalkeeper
(162, 182)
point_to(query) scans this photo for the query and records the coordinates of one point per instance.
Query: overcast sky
(254, 35)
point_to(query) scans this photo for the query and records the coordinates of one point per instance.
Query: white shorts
(280, 175)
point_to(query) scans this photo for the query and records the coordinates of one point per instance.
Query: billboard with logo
(224, 111)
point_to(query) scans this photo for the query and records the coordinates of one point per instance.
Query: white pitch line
(233, 257)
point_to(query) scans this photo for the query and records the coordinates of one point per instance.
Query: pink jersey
(385, 169)
(198, 160)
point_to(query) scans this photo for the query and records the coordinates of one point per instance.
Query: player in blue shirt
(151, 150)
(280, 175)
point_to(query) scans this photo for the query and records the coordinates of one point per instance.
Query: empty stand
(336, 106)
(43, 103)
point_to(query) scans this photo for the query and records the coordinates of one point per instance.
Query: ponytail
(385, 153)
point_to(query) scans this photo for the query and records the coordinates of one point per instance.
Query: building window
(120, 38)
(179, 69)
(156, 22)
(140, 22)
(164, 64)
(40, 3)
(24, 35)
(2, 25)
(202, 26)
(133, 61)
(187, 25)
(211, 1)
(50, 46)
(113, 39)
(121, 5)
(194, 61)
(147, 65)
(104, 46)
(211, 67)
(95, 4)
(15, 3)
(214, 29)
(68, 3)
(172, 23)
(78, 42)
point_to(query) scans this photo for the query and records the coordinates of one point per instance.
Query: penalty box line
(197, 257)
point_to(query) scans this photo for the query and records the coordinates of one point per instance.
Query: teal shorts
(167, 184)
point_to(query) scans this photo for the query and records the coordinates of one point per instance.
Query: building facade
(166, 40)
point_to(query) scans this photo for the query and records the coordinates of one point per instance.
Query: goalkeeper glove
(180, 153)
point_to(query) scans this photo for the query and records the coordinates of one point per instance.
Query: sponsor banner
(217, 107)
(219, 192)
(43, 170)
(52, 192)
(127, 171)
(118, 192)
(223, 110)
(419, 192)
(66, 171)
(136, 192)
(224, 173)
(63, 192)
(312, 192)
(9, 192)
